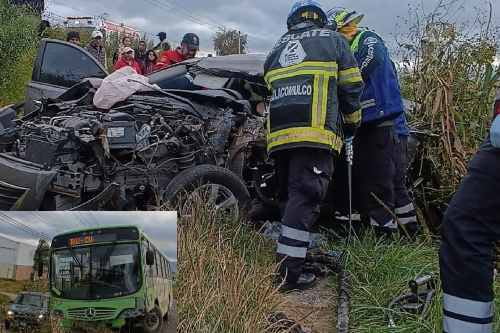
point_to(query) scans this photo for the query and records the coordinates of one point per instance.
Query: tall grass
(380, 271)
(225, 280)
(448, 70)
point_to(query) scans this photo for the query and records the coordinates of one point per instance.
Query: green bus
(109, 276)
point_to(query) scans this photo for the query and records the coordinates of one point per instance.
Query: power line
(21, 226)
(187, 12)
(162, 5)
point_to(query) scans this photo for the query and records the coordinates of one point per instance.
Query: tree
(41, 255)
(229, 42)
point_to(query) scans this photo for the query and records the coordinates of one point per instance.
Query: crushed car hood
(245, 66)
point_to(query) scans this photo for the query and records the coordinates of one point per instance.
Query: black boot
(305, 281)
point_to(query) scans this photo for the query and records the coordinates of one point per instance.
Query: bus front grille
(91, 314)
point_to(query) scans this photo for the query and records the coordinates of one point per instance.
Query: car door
(58, 66)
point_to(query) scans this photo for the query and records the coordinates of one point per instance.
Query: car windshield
(96, 272)
(26, 299)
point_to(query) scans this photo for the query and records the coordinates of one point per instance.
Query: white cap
(96, 33)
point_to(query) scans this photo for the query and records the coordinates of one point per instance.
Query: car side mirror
(150, 258)
(40, 269)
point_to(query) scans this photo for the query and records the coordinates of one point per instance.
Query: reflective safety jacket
(312, 75)
(381, 98)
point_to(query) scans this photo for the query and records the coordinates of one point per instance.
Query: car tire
(153, 321)
(198, 177)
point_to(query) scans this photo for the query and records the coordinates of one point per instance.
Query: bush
(448, 71)
(18, 43)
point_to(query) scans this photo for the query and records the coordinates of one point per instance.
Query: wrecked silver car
(64, 153)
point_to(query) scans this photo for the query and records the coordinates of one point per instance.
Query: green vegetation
(225, 276)
(380, 271)
(18, 44)
(448, 70)
(12, 286)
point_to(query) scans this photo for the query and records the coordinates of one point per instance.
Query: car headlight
(10, 313)
(40, 316)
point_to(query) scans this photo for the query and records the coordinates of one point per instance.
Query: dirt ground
(171, 326)
(314, 309)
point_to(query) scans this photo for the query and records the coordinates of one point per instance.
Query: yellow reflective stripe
(315, 102)
(301, 72)
(303, 134)
(305, 68)
(322, 64)
(319, 102)
(348, 71)
(324, 102)
(353, 118)
(351, 75)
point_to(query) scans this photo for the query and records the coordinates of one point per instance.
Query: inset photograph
(88, 271)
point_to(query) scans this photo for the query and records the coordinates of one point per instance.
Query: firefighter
(404, 207)
(374, 168)
(189, 47)
(471, 227)
(316, 86)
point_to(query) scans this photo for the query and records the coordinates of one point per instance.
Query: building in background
(121, 29)
(16, 258)
(82, 23)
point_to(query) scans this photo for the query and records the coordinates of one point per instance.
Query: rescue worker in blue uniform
(471, 226)
(404, 207)
(375, 144)
(316, 86)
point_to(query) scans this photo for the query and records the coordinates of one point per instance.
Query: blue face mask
(495, 132)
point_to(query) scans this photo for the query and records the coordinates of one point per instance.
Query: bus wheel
(153, 321)
(214, 185)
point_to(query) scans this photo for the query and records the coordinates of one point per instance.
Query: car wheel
(216, 186)
(153, 321)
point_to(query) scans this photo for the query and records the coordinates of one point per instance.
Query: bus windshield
(96, 272)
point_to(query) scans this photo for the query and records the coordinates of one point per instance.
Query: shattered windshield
(96, 272)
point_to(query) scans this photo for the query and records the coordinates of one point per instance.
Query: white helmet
(96, 33)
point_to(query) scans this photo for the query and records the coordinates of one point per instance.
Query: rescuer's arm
(371, 53)
(350, 87)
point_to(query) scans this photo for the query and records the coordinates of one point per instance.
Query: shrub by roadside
(18, 44)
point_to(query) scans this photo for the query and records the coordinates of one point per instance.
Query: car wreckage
(198, 125)
(64, 153)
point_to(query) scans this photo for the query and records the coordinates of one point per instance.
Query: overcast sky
(161, 227)
(263, 20)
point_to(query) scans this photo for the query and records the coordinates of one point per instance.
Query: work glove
(495, 132)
